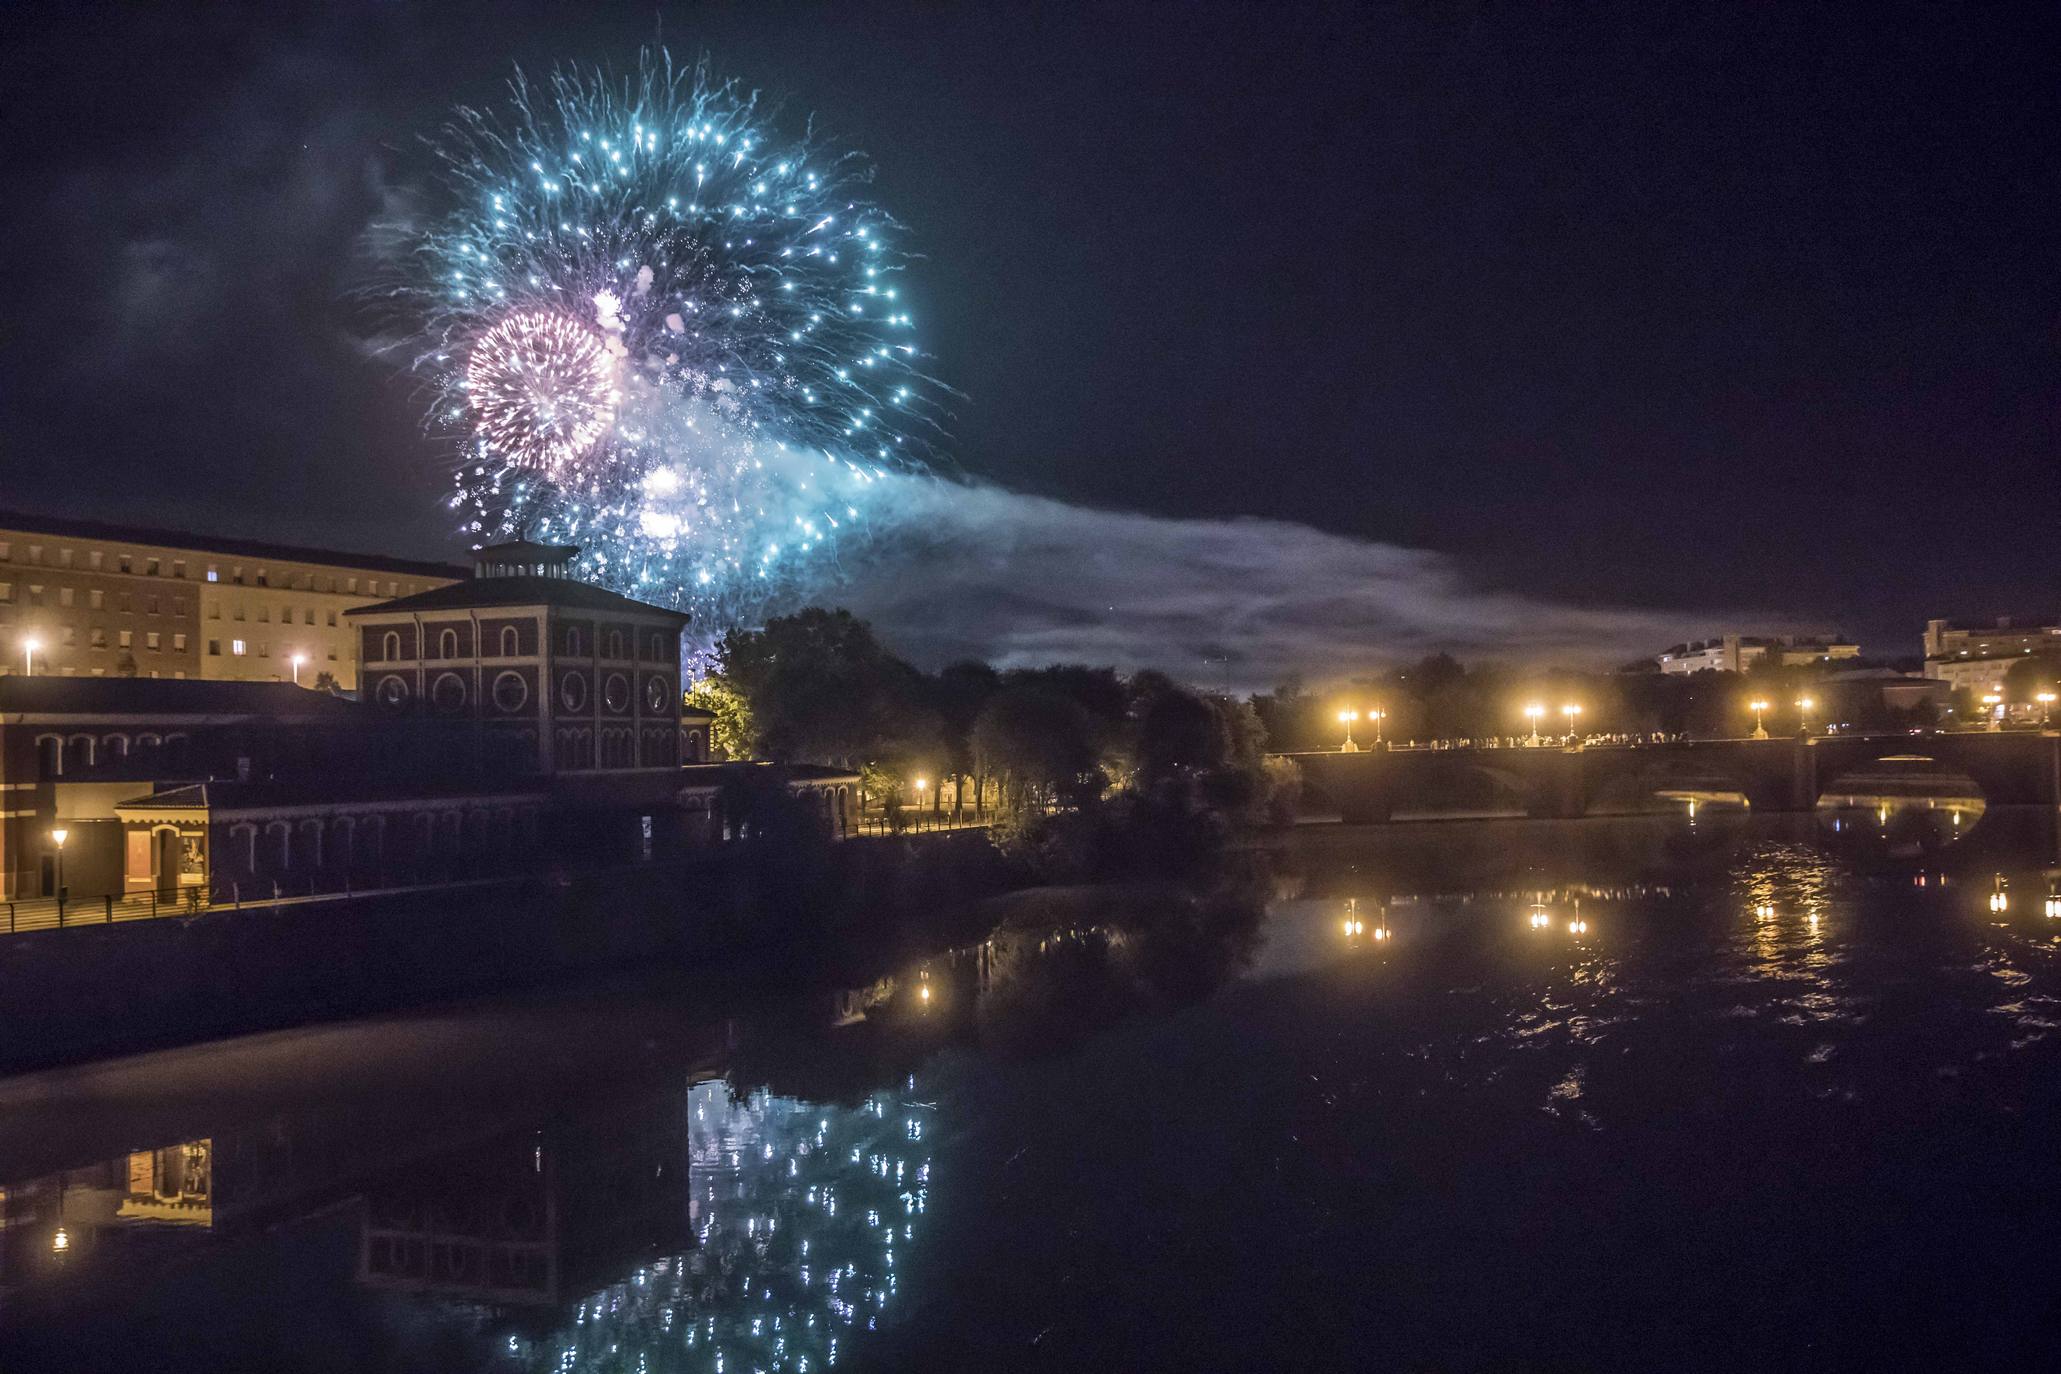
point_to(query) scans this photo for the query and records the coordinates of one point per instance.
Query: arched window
(78, 753)
(447, 644)
(390, 646)
(284, 852)
(511, 643)
(49, 756)
(115, 747)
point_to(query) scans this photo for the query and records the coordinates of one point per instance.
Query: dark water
(1633, 1094)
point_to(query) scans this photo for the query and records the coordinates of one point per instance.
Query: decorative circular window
(615, 692)
(391, 692)
(510, 692)
(447, 693)
(656, 692)
(572, 692)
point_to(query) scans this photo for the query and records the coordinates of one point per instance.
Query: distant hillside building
(80, 598)
(1979, 656)
(1737, 653)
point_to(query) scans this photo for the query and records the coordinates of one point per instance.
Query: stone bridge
(1782, 774)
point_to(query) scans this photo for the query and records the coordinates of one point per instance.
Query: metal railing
(52, 913)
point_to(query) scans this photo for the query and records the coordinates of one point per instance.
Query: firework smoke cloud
(666, 332)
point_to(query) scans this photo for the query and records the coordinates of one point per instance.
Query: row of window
(264, 615)
(56, 754)
(240, 647)
(95, 600)
(575, 644)
(150, 566)
(348, 841)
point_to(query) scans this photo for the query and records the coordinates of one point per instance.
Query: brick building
(81, 598)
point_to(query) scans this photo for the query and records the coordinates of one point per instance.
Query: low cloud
(982, 572)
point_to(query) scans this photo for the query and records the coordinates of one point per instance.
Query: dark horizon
(1657, 311)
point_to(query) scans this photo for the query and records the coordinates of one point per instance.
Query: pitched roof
(563, 592)
(208, 543)
(159, 696)
(224, 794)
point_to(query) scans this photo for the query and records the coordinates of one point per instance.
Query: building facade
(81, 598)
(556, 675)
(1979, 656)
(1738, 653)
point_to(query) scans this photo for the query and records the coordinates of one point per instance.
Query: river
(1707, 1091)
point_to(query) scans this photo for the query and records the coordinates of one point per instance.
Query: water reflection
(1903, 806)
(1548, 1021)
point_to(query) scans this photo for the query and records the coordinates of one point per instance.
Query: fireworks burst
(670, 335)
(542, 391)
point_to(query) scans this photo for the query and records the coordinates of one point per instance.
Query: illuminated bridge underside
(2012, 769)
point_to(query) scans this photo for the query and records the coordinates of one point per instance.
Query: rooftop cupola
(524, 558)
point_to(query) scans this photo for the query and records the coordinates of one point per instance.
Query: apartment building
(81, 598)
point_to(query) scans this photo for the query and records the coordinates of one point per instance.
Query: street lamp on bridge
(1995, 703)
(1570, 711)
(2046, 701)
(1534, 712)
(1377, 716)
(1347, 718)
(1760, 710)
(1803, 710)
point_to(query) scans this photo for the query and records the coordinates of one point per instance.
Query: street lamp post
(1803, 710)
(1377, 717)
(1995, 704)
(1534, 712)
(30, 647)
(922, 786)
(1570, 711)
(58, 837)
(1760, 710)
(2046, 701)
(297, 660)
(1347, 718)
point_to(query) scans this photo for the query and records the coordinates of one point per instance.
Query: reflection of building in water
(75, 1217)
(1904, 805)
(801, 1214)
(532, 1216)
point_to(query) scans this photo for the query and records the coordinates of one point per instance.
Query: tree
(818, 687)
(1042, 744)
(733, 734)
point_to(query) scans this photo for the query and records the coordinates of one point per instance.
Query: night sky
(1562, 328)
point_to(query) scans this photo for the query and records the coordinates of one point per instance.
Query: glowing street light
(1760, 710)
(297, 660)
(922, 787)
(30, 647)
(2046, 701)
(1803, 710)
(1347, 718)
(1377, 717)
(57, 837)
(1999, 899)
(1570, 711)
(1534, 712)
(1995, 703)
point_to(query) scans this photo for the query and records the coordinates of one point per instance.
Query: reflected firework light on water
(670, 333)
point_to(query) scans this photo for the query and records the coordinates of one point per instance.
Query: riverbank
(85, 992)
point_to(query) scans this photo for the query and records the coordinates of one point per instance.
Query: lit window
(150, 641)
(236, 646)
(179, 644)
(128, 638)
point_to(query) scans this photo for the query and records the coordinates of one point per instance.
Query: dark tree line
(819, 687)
